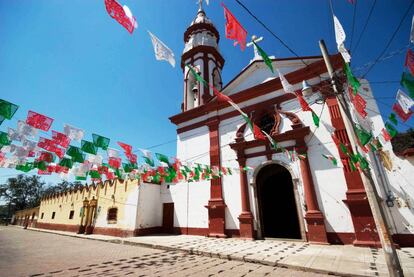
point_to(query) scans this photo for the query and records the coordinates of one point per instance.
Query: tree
(60, 187)
(22, 192)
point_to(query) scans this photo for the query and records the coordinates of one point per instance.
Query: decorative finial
(200, 5)
(256, 40)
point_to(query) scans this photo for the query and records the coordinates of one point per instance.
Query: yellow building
(26, 217)
(109, 208)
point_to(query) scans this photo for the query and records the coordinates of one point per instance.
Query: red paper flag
(258, 133)
(400, 112)
(132, 157)
(303, 103)
(234, 30)
(220, 96)
(115, 162)
(39, 121)
(44, 172)
(127, 148)
(409, 61)
(386, 135)
(117, 12)
(45, 156)
(60, 139)
(110, 175)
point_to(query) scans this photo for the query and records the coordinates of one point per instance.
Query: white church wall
(400, 181)
(190, 199)
(149, 210)
(230, 183)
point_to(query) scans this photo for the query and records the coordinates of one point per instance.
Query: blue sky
(71, 61)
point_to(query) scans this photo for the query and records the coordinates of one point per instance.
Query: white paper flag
(95, 159)
(405, 101)
(412, 31)
(73, 133)
(112, 153)
(25, 129)
(14, 135)
(162, 52)
(340, 37)
(285, 84)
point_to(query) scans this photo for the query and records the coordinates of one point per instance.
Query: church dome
(201, 32)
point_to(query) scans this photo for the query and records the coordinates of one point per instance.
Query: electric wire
(390, 40)
(365, 27)
(353, 23)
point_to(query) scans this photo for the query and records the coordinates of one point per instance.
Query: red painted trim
(216, 206)
(313, 70)
(356, 198)
(200, 27)
(404, 240)
(340, 238)
(276, 100)
(59, 227)
(202, 49)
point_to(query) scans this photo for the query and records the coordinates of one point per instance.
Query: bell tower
(201, 51)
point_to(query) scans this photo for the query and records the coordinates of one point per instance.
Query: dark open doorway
(277, 205)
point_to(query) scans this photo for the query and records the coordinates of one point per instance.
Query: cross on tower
(256, 40)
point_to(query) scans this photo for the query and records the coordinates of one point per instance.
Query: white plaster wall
(230, 183)
(149, 213)
(400, 181)
(190, 198)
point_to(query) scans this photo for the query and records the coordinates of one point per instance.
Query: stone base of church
(246, 225)
(366, 233)
(216, 218)
(316, 227)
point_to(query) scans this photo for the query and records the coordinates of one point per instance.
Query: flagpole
(391, 257)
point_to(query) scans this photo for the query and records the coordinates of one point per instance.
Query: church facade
(279, 196)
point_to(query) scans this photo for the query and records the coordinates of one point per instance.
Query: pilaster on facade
(356, 198)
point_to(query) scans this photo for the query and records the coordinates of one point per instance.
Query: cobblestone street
(30, 253)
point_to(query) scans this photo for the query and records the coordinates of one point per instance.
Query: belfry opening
(278, 211)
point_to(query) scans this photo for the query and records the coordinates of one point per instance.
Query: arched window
(217, 79)
(112, 215)
(266, 123)
(193, 91)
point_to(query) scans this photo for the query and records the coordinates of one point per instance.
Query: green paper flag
(343, 148)
(351, 78)
(42, 165)
(196, 75)
(315, 119)
(127, 167)
(407, 81)
(25, 167)
(118, 174)
(66, 162)
(363, 136)
(265, 57)
(100, 141)
(272, 141)
(331, 158)
(4, 139)
(7, 109)
(352, 165)
(391, 129)
(372, 147)
(363, 163)
(94, 174)
(79, 158)
(88, 147)
(80, 178)
(393, 119)
(162, 158)
(73, 151)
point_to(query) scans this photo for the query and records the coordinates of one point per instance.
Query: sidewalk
(329, 259)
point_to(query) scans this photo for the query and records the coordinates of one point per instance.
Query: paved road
(30, 253)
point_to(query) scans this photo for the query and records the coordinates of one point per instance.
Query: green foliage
(402, 141)
(22, 192)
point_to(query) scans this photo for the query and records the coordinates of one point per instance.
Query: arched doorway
(278, 212)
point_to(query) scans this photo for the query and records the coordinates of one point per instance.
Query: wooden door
(168, 218)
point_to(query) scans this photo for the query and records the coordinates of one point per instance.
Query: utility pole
(391, 257)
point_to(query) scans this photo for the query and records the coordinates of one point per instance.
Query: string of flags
(59, 154)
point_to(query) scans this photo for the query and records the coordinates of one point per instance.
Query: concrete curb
(229, 257)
